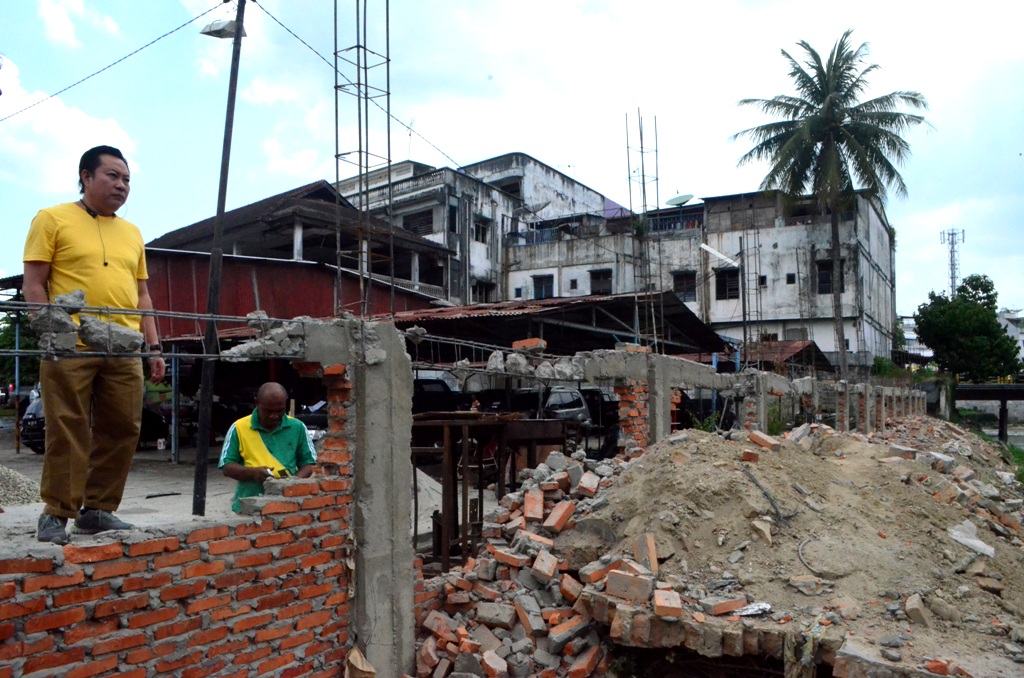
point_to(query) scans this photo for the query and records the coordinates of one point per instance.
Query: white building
(754, 266)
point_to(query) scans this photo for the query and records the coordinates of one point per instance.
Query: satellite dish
(679, 200)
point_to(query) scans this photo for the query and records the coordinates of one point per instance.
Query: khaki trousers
(93, 410)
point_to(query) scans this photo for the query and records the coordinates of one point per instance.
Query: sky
(565, 81)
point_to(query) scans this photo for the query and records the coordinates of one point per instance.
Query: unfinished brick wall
(633, 417)
(266, 595)
(260, 596)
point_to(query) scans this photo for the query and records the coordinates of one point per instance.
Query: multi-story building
(755, 266)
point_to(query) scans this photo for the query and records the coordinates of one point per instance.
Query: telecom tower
(952, 237)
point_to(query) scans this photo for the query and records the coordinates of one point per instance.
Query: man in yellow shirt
(85, 245)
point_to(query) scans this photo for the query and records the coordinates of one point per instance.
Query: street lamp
(234, 30)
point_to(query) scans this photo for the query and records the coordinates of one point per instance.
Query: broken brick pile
(517, 610)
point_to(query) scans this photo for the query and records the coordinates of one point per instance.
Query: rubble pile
(898, 551)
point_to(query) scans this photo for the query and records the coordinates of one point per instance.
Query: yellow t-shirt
(77, 246)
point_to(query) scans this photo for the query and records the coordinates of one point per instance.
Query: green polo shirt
(290, 443)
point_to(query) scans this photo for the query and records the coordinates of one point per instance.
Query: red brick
(207, 534)
(231, 647)
(586, 663)
(54, 660)
(637, 588)
(334, 370)
(141, 583)
(667, 603)
(118, 643)
(222, 546)
(22, 608)
(108, 570)
(207, 636)
(588, 484)
(233, 579)
(176, 558)
(90, 630)
(92, 554)
(208, 603)
(143, 619)
(52, 581)
(313, 620)
(646, 553)
(764, 440)
(294, 520)
(273, 633)
(533, 505)
(273, 539)
(296, 639)
(178, 628)
(152, 546)
(182, 591)
(274, 663)
(510, 558)
(25, 565)
(247, 560)
(529, 344)
(559, 515)
(570, 588)
(84, 594)
(276, 507)
(256, 527)
(293, 611)
(202, 569)
(178, 664)
(750, 456)
(146, 654)
(723, 604)
(93, 668)
(544, 566)
(55, 620)
(315, 560)
(279, 599)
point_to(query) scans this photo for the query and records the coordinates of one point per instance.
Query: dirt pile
(905, 549)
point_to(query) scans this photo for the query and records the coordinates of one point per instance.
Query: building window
(825, 277)
(768, 337)
(762, 281)
(796, 334)
(480, 232)
(684, 283)
(543, 286)
(791, 278)
(420, 223)
(573, 284)
(519, 293)
(483, 292)
(453, 219)
(727, 283)
(601, 281)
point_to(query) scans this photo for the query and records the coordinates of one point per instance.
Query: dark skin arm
(259, 474)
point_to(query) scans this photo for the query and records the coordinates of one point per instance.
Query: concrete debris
(496, 362)
(109, 337)
(653, 549)
(52, 319)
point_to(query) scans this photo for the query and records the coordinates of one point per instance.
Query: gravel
(17, 489)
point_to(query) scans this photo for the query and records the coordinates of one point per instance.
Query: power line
(91, 75)
(349, 82)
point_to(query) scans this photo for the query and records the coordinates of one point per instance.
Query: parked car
(33, 427)
(435, 395)
(557, 402)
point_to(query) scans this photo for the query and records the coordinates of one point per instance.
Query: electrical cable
(75, 84)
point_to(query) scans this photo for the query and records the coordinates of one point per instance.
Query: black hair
(91, 160)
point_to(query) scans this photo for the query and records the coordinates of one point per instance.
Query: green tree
(28, 366)
(831, 143)
(965, 334)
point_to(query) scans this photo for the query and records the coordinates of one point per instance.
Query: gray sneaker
(94, 520)
(52, 529)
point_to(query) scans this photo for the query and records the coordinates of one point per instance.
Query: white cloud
(261, 91)
(56, 16)
(302, 162)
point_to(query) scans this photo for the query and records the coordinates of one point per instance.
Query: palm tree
(830, 143)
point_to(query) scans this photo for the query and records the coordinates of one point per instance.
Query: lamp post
(218, 29)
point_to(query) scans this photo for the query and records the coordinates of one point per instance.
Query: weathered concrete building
(751, 266)
(471, 211)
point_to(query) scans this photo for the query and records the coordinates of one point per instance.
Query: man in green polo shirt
(266, 444)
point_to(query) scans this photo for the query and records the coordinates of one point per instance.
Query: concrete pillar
(865, 408)
(880, 413)
(297, 232)
(659, 399)
(842, 406)
(382, 619)
(415, 272)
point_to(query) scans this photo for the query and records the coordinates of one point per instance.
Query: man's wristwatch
(156, 347)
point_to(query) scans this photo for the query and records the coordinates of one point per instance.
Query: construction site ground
(847, 539)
